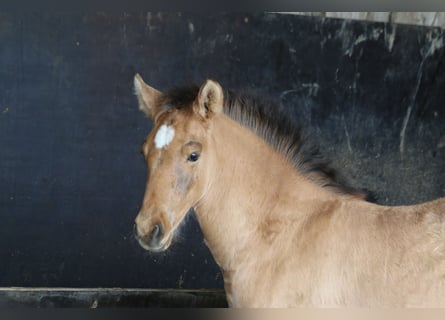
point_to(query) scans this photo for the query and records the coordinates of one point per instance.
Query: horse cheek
(183, 181)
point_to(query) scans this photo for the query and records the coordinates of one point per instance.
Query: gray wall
(71, 174)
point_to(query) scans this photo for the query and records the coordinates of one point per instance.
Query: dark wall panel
(71, 174)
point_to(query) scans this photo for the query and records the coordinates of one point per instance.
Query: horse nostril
(157, 232)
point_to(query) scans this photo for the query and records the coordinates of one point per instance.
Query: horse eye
(194, 156)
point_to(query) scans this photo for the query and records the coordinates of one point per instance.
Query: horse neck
(250, 185)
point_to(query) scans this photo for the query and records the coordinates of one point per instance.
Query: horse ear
(147, 97)
(210, 99)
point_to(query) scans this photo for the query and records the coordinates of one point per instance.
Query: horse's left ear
(210, 99)
(147, 97)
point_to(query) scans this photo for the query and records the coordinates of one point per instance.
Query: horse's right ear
(210, 99)
(148, 97)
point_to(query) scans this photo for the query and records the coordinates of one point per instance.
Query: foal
(283, 230)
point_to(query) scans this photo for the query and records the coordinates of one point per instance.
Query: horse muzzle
(154, 239)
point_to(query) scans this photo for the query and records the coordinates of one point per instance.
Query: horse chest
(257, 287)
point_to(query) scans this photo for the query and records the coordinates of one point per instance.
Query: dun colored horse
(283, 229)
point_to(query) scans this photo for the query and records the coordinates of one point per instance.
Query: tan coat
(280, 238)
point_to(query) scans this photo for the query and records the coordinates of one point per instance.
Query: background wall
(429, 19)
(71, 174)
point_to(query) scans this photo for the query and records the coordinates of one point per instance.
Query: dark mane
(265, 119)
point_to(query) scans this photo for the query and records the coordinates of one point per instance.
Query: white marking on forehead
(164, 136)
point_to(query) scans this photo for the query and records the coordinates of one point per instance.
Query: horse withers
(283, 228)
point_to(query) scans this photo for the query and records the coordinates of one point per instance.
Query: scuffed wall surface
(428, 19)
(71, 174)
